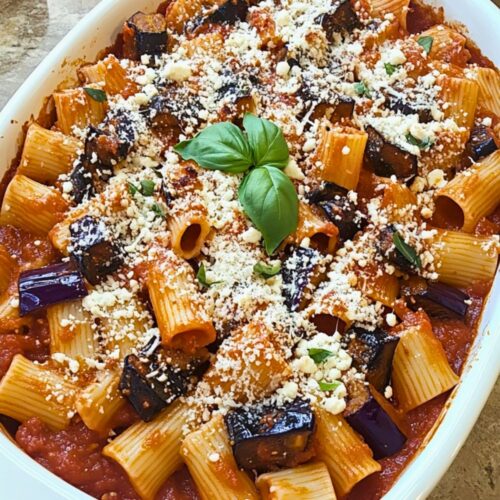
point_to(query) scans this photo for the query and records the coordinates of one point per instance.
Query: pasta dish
(245, 253)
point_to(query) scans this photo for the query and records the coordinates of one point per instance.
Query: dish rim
(482, 366)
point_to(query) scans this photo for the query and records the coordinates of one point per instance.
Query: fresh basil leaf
(269, 199)
(267, 270)
(319, 355)
(158, 210)
(147, 187)
(361, 89)
(218, 147)
(422, 144)
(132, 189)
(406, 250)
(328, 386)
(96, 94)
(426, 43)
(201, 276)
(267, 142)
(390, 69)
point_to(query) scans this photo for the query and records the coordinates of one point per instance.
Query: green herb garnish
(267, 270)
(319, 355)
(201, 276)
(158, 210)
(426, 43)
(96, 94)
(361, 89)
(390, 69)
(422, 144)
(328, 386)
(132, 189)
(406, 250)
(267, 195)
(147, 187)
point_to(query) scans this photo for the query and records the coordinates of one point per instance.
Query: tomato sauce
(456, 337)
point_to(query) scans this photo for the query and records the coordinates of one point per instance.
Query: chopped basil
(147, 187)
(132, 189)
(158, 210)
(361, 89)
(390, 69)
(96, 94)
(426, 43)
(201, 276)
(328, 386)
(422, 144)
(406, 250)
(319, 355)
(267, 270)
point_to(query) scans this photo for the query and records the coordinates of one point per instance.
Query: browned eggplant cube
(144, 34)
(373, 350)
(268, 438)
(481, 143)
(93, 249)
(342, 18)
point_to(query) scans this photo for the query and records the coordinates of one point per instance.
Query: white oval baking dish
(22, 477)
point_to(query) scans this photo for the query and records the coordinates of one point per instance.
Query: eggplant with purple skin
(111, 141)
(93, 249)
(229, 13)
(82, 181)
(481, 143)
(399, 106)
(151, 384)
(333, 200)
(341, 19)
(302, 271)
(387, 159)
(373, 351)
(438, 300)
(270, 437)
(39, 288)
(144, 34)
(379, 431)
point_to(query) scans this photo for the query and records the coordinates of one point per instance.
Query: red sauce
(74, 454)
(179, 486)
(421, 17)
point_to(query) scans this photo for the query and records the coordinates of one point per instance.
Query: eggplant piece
(268, 438)
(173, 109)
(82, 181)
(387, 159)
(93, 250)
(388, 250)
(112, 141)
(481, 143)
(342, 19)
(397, 105)
(375, 351)
(39, 288)
(229, 13)
(334, 109)
(302, 271)
(151, 384)
(144, 34)
(332, 199)
(379, 431)
(436, 299)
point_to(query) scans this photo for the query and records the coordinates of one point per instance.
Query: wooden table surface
(30, 28)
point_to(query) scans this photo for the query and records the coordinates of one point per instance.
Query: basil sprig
(267, 270)
(267, 195)
(406, 250)
(201, 276)
(328, 386)
(426, 43)
(425, 143)
(96, 94)
(319, 355)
